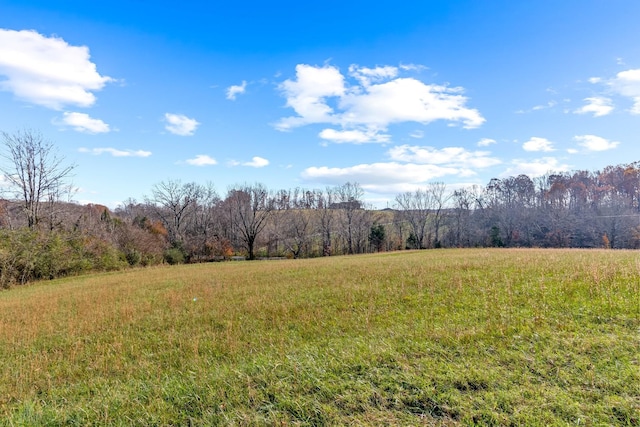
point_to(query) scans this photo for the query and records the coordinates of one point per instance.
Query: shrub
(174, 256)
(28, 254)
(496, 240)
(140, 246)
(133, 257)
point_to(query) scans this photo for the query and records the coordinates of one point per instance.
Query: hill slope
(432, 337)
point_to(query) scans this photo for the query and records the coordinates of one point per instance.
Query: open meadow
(440, 337)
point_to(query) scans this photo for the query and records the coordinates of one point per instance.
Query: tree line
(44, 235)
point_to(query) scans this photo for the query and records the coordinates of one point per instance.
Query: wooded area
(42, 236)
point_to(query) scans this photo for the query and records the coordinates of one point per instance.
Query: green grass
(446, 337)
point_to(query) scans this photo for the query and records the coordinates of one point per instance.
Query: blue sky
(390, 95)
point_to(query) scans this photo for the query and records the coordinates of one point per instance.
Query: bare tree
(362, 221)
(34, 170)
(326, 216)
(297, 230)
(202, 231)
(350, 203)
(463, 204)
(173, 202)
(439, 199)
(250, 207)
(415, 208)
(276, 230)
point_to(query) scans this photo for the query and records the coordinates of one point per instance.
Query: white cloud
(307, 95)
(409, 168)
(376, 99)
(417, 134)
(180, 124)
(549, 104)
(538, 144)
(379, 175)
(366, 76)
(115, 152)
(407, 100)
(257, 162)
(234, 90)
(81, 122)
(47, 71)
(451, 156)
(485, 142)
(353, 136)
(597, 105)
(539, 107)
(627, 83)
(413, 67)
(535, 168)
(595, 143)
(202, 160)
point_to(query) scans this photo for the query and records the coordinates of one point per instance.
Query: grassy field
(444, 337)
